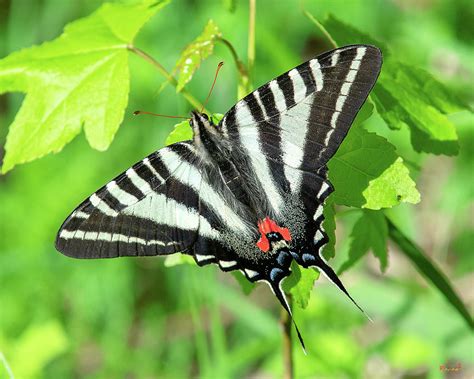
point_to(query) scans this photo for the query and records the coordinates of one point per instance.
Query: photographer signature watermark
(447, 368)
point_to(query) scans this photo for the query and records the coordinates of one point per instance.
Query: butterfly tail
(284, 302)
(332, 276)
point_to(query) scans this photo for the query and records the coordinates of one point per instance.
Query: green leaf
(370, 232)
(406, 95)
(178, 259)
(363, 169)
(244, 283)
(300, 284)
(183, 132)
(429, 270)
(393, 186)
(80, 79)
(195, 53)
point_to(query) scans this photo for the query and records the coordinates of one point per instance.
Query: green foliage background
(413, 140)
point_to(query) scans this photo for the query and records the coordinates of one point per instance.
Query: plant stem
(170, 78)
(322, 28)
(240, 66)
(251, 40)
(285, 321)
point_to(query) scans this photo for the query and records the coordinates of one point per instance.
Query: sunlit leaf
(79, 80)
(181, 132)
(178, 259)
(391, 187)
(195, 53)
(362, 165)
(369, 233)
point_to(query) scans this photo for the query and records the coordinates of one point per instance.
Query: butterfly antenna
(332, 276)
(212, 87)
(136, 113)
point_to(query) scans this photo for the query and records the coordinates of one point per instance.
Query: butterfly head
(201, 124)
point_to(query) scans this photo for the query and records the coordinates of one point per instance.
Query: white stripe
(334, 117)
(201, 258)
(294, 130)
(318, 213)
(318, 236)
(299, 88)
(355, 64)
(122, 196)
(164, 210)
(102, 206)
(340, 102)
(278, 95)
(345, 88)
(256, 95)
(138, 182)
(334, 59)
(250, 139)
(227, 264)
(324, 187)
(147, 163)
(79, 214)
(190, 175)
(328, 136)
(317, 73)
(109, 237)
(251, 273)
(351, 76)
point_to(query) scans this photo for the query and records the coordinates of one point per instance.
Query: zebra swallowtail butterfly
(245, 194)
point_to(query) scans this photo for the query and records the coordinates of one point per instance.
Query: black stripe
(286, 85)
(144, 172)
(157, 163)
(109, 199)
(125, 184)
(268, 100)
(307, 76)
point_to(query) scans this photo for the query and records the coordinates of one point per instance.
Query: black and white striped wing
(298, 120)
(151, 209)
(290, 127)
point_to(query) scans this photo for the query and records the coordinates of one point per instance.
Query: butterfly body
(245, 194)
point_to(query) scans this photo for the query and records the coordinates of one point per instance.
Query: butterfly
(246, 194)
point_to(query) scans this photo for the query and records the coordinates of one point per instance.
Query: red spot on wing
(263, 244)
(267, 225)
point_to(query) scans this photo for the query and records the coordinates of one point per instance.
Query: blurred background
(135, 318)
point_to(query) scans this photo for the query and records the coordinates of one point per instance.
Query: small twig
(240, 66)
(251, 40)
(170, 78)
(322, 28)
(285, 321)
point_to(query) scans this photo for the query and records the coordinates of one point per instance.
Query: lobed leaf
(406, 95)
(370, 232)
(300, 284)
(79, 80)
(195, 53)
(363, 169)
